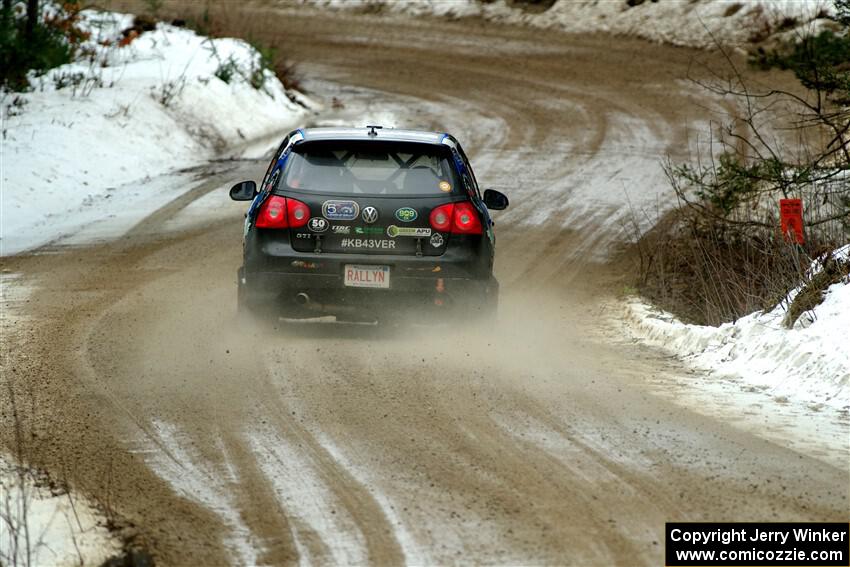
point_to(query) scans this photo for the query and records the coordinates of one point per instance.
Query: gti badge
(406, 214)
(340, 210)
(318, 224)
(370, 214)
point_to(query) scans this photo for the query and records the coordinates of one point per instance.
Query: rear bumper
(296, 293)
(303, 285)
(275, 275)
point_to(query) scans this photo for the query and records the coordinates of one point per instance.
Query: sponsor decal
(445, 186)
(306, 265)
(368, 230)
(303, 235)
(367, 243)
(318, 224)
(340, 210)
(437, 240)
(370, 215)
(340, 229)
(393, 231)
(406, 214)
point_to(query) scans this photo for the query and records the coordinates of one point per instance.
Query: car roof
(376, 133)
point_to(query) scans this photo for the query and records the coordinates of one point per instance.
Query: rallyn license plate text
(357, 275)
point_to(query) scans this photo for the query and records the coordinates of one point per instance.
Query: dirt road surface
(549, 439)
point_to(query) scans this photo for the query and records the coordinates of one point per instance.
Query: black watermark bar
(744, 544)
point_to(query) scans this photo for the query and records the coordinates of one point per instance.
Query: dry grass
(707, 272)
(811, 295)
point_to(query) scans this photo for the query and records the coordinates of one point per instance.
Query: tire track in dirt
(160, 343)
(78, 424)
(380, 544)
(423, 445)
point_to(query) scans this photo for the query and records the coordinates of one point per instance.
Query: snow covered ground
(43, 527)
(694, 23)
(96, 146)
(808, 364)
(81, 146)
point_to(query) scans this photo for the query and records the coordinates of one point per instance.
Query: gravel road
(544, 440)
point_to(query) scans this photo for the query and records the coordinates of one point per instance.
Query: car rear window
(371, 168)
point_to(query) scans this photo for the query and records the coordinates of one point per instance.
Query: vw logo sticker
(406, 214)
(340, 210)
(370, 214)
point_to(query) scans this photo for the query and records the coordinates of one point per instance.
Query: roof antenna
(372, 129)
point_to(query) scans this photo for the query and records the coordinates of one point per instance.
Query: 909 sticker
(406, 214)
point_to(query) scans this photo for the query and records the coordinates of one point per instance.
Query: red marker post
(791, 219)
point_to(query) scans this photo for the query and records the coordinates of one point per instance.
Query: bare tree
(720, 254)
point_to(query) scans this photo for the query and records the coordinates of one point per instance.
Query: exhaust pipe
(306, 302)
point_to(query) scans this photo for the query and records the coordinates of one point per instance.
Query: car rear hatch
(371, 225)
(372, 197)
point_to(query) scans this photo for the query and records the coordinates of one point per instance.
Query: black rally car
(368, 224)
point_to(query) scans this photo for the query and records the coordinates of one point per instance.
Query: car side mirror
(495, 200)
(244, 191)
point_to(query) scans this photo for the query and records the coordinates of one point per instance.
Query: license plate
(367, 276)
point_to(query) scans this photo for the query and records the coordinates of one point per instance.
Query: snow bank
(95, 129)
(686, 23)
(809, 363)
(41, 527)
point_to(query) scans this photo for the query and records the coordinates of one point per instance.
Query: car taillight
(441, 217)
(466, 219)
(458, 218)
(280, 212)
(299, 213)
(272, 213)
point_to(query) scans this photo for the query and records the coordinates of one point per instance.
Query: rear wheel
(244, 313)
(464, 301)
(250, 314)
(488, 310)
(479, 305)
